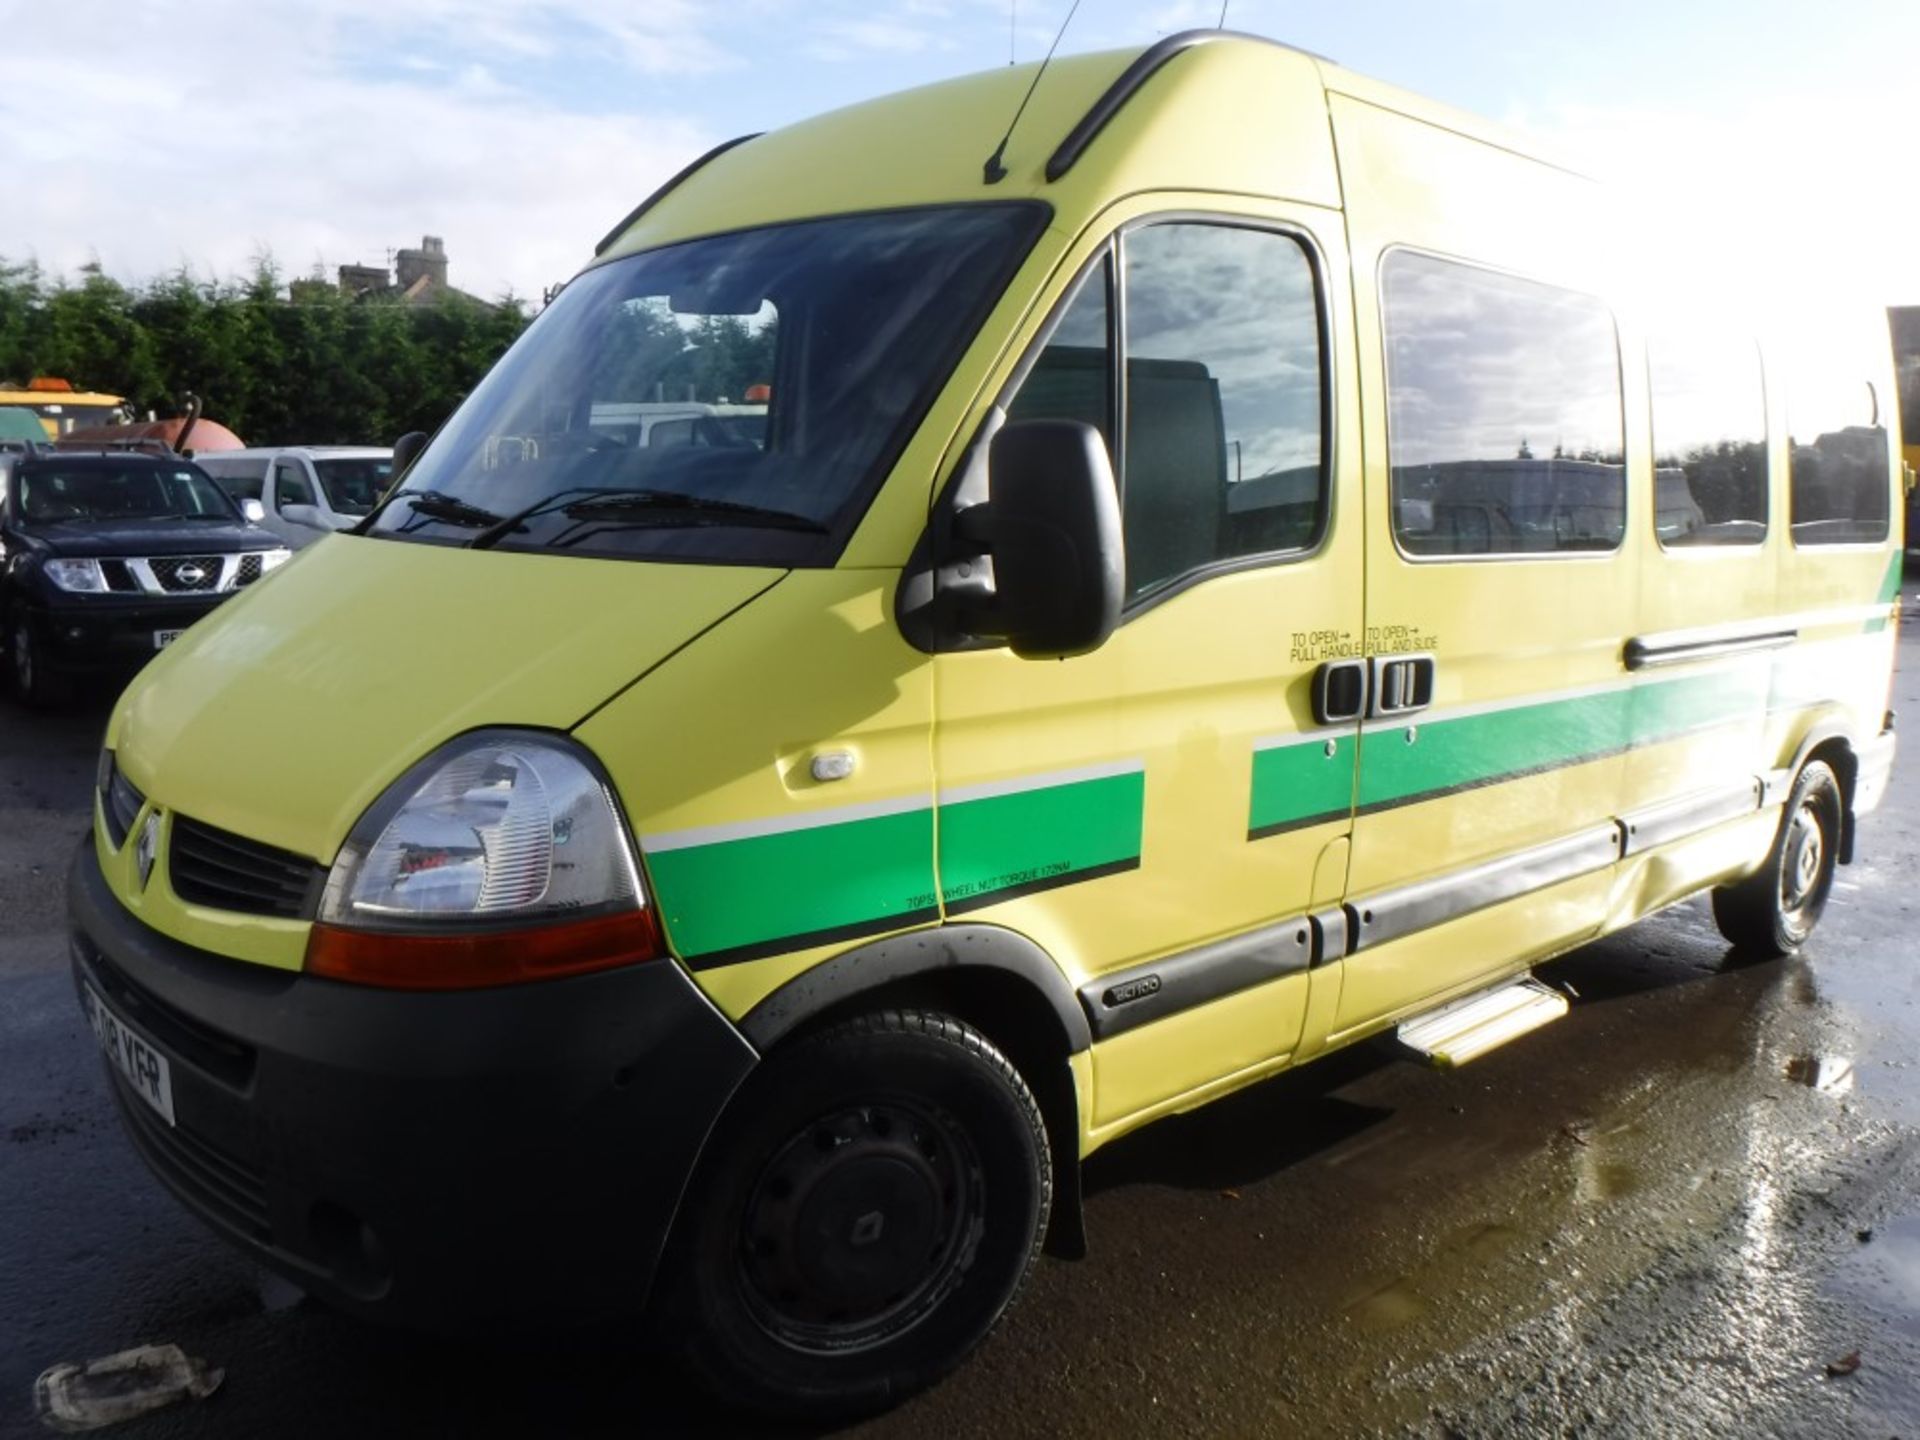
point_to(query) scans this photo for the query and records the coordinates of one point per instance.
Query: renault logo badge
(147, 847)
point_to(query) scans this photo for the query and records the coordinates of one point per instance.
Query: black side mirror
(406, 450)
(1053, 528)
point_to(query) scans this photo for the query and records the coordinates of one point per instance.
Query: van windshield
(737, 398)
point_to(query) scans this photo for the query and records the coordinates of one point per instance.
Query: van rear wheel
(868, 1210)
(1773, 911)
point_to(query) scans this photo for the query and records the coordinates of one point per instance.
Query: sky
(148, 135)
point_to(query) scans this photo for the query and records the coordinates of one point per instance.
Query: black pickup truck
(106, 557)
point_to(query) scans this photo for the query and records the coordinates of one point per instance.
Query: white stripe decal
(1052, 779)
(1315, 736)
(783, 824)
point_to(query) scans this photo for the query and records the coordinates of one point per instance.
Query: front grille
(217, 1181)
(186, 573)
(227, 872)
(119, 577)
(121, 802)
(249, 570)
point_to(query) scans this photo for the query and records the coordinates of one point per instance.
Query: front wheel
(870, 1207)
(31, 681)
(1773, 911)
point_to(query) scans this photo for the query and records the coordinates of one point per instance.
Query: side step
(1466, 1029)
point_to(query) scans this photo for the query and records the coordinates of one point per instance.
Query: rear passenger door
(1161, 815)
(1498, 592)
(1702, 651)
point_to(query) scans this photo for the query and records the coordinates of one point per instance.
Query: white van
(306, 490)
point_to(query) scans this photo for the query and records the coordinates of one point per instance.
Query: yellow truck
(60, 408)
(1234, 570)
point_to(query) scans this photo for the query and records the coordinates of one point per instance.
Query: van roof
(1200, 111)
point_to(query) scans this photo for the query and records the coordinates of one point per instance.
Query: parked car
(109, 556)
(306, 491)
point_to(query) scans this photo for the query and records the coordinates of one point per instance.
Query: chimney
(428, 262)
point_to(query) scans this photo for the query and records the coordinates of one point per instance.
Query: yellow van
(1230, 569)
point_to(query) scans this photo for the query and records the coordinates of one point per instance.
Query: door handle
(1340, 690)
(1402, 684)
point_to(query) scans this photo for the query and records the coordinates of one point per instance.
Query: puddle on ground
(1596, 1179)
(1885, 1273)
(1832, 1074)
(1388, 1308)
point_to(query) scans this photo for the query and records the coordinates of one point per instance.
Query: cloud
(330, 134)
(850, 39)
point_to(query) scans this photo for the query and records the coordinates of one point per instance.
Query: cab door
(1163, 815)
(293, 513)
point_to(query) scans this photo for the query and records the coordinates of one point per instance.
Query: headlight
(500, 857)
(271, 560)
(82, 577)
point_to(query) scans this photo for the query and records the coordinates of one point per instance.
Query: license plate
(143, 1067)
(164, 638)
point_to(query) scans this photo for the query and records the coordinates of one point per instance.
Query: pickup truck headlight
(272, 560)
(80, 577)
(501, 857)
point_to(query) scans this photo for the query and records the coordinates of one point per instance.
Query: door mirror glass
(254, 511)
(1054, 529)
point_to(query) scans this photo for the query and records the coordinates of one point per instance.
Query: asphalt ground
(1667, 1215)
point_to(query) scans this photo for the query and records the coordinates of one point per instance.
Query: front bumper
(443, 1160)
(103, 634)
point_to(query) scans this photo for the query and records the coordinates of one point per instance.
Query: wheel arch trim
(932, 951)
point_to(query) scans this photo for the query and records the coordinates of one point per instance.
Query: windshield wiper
(697, 510)
(497, 531)
(437, 505)
(653, 507)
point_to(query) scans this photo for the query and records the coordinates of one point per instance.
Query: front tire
(1772, 912)
(868, 1210)
(37, 689)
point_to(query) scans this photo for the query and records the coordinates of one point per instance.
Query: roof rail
(1143, 69)
(657, 196)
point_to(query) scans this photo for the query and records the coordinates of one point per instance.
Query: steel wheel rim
(1803, 865)
(860, 1226)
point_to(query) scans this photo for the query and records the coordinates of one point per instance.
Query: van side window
(290, 485)
(1836, 430)
(1223, 451)
(1072, 379)
(1709, 440)
(1504, 418)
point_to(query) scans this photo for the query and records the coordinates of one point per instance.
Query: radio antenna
(1013, 31)
(994, 170)
(1223, 14)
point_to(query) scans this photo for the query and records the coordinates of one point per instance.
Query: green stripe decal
(1450, 755)
(771, 891)
(1300, 783)
(995, 846)
(1890, 585)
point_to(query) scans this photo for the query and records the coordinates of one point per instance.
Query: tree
(318, 368)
